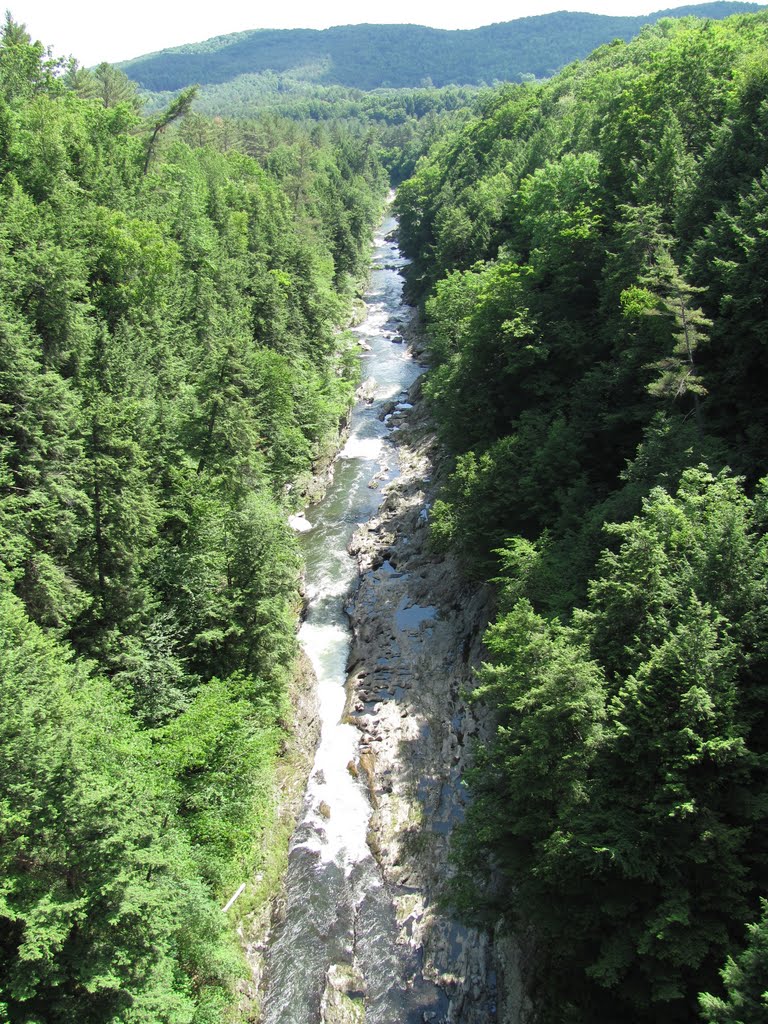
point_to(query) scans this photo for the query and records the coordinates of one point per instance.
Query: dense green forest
(402, 56)
(171, 369)
(403, 121)
(592, 257)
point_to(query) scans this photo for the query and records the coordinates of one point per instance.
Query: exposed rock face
(417, 637)
(293, 772)
(417, 627)
(343, 1001)
(515, 966)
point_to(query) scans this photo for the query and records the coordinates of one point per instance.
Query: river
(339, 912)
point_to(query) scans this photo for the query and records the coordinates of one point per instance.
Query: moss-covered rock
(343, 1000)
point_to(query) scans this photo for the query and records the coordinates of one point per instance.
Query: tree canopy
(171, 371)
(587, 252)
(403, 56)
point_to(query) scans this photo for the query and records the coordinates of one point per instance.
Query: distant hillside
(376, 56)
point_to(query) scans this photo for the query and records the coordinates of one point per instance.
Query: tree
(82, 81)
(175, 110)
(531, 779)
(678, 373)
(746, 981)
(103, 916)
(620, 804)
(112, 86)
(26, 68)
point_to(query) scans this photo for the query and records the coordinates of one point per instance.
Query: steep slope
(171, 375)
(591, 253)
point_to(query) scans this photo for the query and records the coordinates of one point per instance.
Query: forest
(368, 57)
(590, 257)
(171, 370)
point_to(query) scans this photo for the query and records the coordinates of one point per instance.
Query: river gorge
(392, 635)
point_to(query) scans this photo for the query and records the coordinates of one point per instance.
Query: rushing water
(338, 908)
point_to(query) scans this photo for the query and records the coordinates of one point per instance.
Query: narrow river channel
(339, 913)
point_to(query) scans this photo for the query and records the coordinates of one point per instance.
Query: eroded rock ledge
(292, 773)
(417, 626)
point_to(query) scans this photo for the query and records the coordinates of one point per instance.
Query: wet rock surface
(417, 628)
(357, 934)
(293, 772)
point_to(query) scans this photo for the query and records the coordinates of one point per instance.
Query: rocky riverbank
(358, 933)
(417, 626)
(295, 764)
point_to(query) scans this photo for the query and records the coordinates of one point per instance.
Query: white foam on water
(326, 587)
(341, 869)
(299, 523)
(362, 448)
(341, 833)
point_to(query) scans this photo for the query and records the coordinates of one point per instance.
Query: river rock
(417, 633)
(343, 1001)
(366, 391)
(293, 772)
(421, 627)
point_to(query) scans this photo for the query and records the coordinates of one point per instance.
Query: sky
(97, 30)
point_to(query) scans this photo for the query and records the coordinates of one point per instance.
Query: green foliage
(171, 370)
(25, 67)
(589, 252)
(745, 982)
(401, 56)
(104, 917)
(572, 301)
(220, 752)
(180, 107)
(108, 84)
(627, 759)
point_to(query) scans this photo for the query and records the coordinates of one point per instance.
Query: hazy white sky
(96, 30)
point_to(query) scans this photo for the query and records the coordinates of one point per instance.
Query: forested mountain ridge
(591, 253)
(397, 56)
(171, 369)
